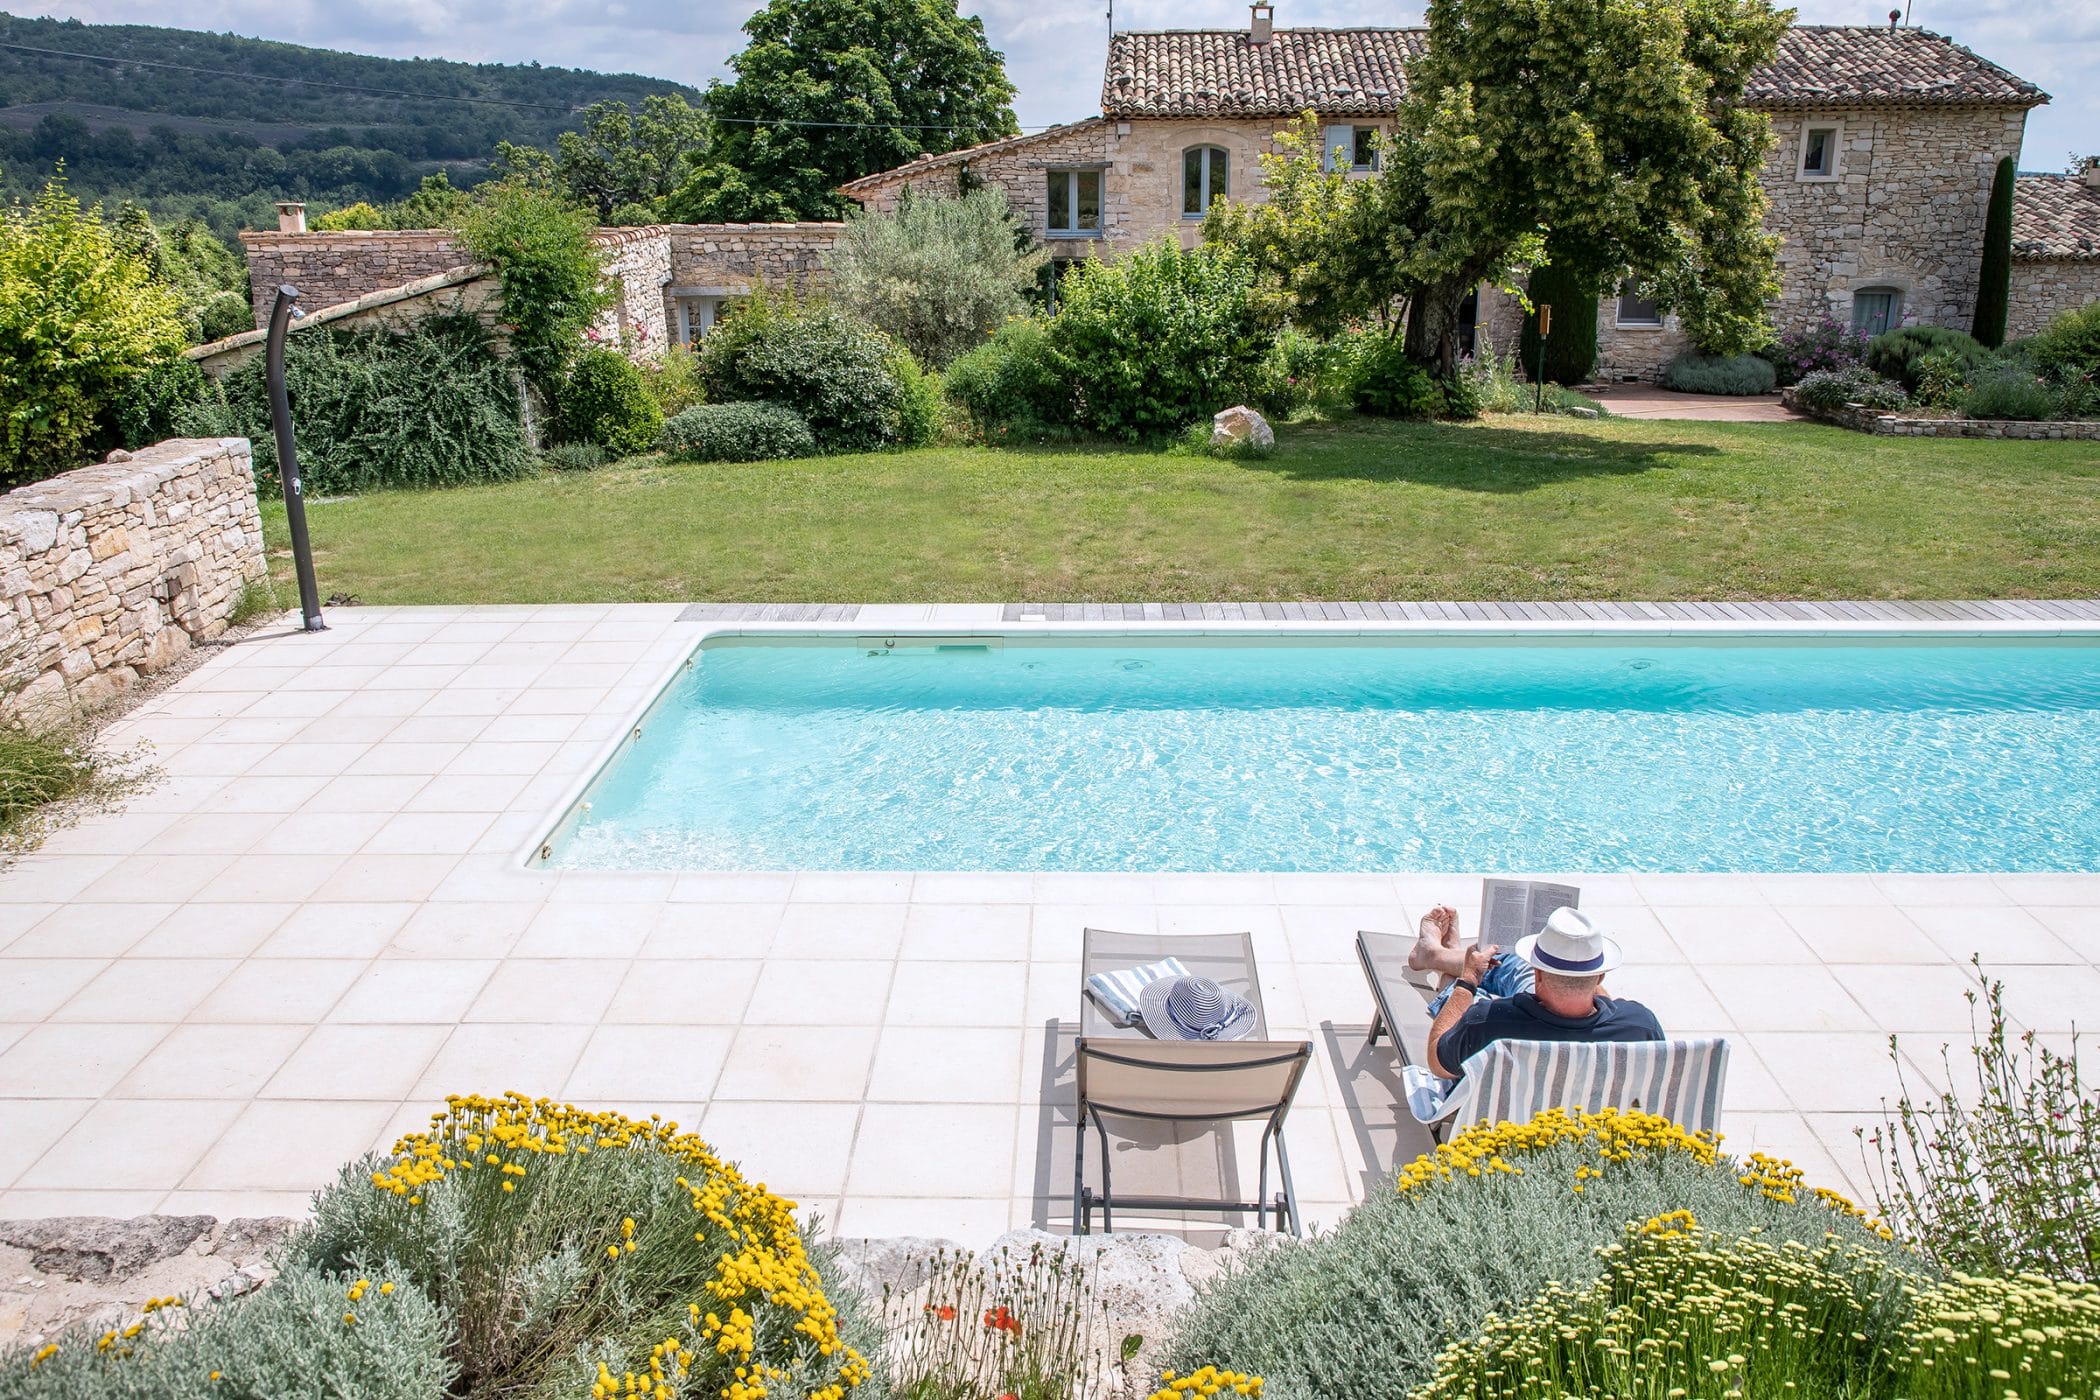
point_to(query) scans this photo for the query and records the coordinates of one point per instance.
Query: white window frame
(1208, 195)
(1630, 290)
(1834, 150)
(1896, 295)
(1070, 176)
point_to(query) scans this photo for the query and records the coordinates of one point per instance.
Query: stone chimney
(1262, 22)
(2092, 172)
(291, 216)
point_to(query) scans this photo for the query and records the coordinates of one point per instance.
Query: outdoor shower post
(281, 315)
(1538, 374)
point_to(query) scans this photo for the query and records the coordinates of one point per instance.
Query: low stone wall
(112, 571)
(1892, 425)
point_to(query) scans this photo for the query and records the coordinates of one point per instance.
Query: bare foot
(1436, 943)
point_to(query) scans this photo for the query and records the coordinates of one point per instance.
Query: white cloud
(1053, 47)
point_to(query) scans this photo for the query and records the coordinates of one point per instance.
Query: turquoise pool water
(1520, 754)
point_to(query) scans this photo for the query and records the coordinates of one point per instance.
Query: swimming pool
(1310, 753)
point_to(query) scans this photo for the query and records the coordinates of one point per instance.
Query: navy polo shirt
(1521, 1017)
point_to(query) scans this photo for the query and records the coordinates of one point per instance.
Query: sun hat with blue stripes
(1194, 1008)
(1570, 944)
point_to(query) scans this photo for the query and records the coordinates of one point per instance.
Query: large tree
(1615, 125)
(620, 163)
(830, 90)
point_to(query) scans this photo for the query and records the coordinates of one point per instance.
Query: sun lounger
(1156, 1091)
(1509, 909)
(1516, 1080)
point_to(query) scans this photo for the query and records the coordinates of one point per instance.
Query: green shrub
(1965, 1339)
(1298, 373)
(1492, 384)
(1895, 354)
(37, 769)
(566, 1249)
(1677, 1306)
(1388, 384)
(1158, 338)
(1942, 377)
(937, 275)
(1571, 349)
(2007, 391)
(2070, 344)
(553, 284)
(737, 432)
(373, 410)
(574, 456)
(673, 379)
(606, 401)
(1694, 373)
(309, 1334)
(81, 320)
(1010, 379)
(157, 401)
(2003, 1181)
(1832, 389)
(920, 405)
(785, 347)
(227, 313)
(1484, 1224)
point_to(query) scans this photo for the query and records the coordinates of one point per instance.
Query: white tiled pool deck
(317, 925)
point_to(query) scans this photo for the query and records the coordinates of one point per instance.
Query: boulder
(899, 1265)
(96, 1247)
(1241, 425)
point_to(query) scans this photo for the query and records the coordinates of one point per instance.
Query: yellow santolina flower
(764, 1267)
(1206, 1381)
(43, 1353)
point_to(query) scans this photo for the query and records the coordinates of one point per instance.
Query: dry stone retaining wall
(112, 571)
(1867, 420)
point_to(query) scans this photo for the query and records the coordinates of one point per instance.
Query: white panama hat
(1194, 1008)
(1570, 944)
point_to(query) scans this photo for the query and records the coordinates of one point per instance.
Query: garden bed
(1868, 420)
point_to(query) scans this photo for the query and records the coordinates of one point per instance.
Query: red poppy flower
(1001, 1320)
(944, 1312)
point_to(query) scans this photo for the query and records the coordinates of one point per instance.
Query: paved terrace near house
(318, 924)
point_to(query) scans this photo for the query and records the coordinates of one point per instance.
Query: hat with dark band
(1571, 945)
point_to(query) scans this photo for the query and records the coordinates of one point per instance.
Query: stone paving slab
(317, 923)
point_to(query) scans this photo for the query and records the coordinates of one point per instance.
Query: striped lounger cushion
(1516, 1080)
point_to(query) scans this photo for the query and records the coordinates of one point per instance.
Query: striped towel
(1515, 1080)
(1118, 991)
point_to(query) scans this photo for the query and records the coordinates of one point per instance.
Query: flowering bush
(1480, 1226)
(1676, 1306)
(1830, 389)
(2005, 1180)
(1829, 344)
(1206, 1381)
(1001, 1328)
(576, 1253)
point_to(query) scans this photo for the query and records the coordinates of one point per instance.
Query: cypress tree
(1571, 346)
(1994, 284)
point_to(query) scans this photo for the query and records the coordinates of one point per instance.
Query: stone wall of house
(1906, 209)
(2045, 288)
(638, 265)
(1019, 167)
(329, 268)
(112, 571)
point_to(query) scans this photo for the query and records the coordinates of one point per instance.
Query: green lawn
(1509, 508)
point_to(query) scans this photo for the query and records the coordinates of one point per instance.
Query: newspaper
(1514, 909)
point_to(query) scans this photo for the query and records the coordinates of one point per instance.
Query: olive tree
(939, 274)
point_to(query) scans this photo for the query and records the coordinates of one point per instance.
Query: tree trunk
(1432, 325)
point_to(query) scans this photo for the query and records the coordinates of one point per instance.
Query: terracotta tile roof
(2056, 216)
(1871, 65)
(1221, 72)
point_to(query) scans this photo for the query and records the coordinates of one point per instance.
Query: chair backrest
(1225, 958)
(1516, 1080)
(1189, 1081)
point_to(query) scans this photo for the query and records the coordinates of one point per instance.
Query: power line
(479, 101)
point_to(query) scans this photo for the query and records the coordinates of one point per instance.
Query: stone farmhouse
(1887, 140)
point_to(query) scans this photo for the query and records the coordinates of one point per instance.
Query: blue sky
(1053, 47)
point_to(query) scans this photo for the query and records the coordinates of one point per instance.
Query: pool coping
(2019, 618)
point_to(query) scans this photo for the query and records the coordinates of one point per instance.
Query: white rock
(1241, 424)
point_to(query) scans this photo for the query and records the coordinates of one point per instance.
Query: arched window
(1876, 309)
(1203, 179)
